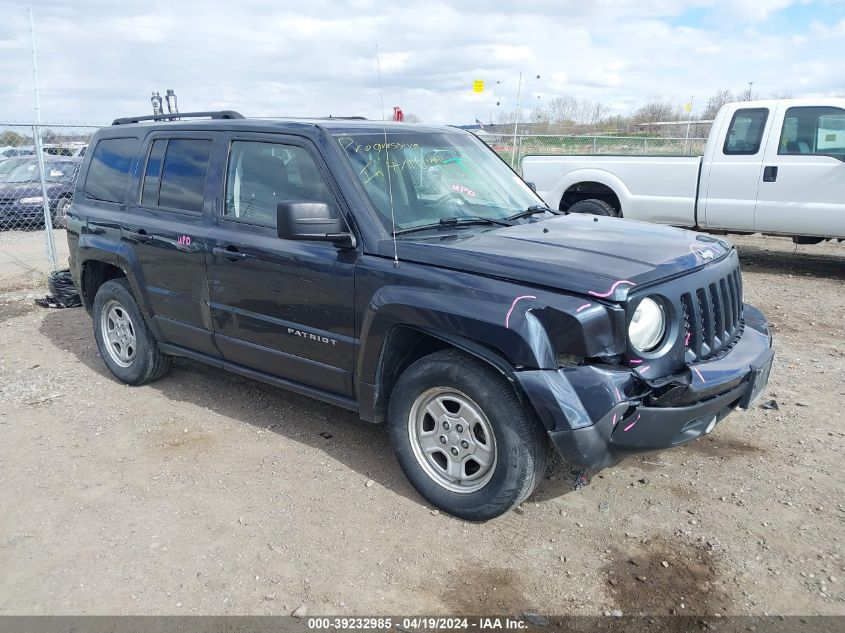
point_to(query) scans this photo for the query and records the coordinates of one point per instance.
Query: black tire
(594, 206)
(148, 362)
(520, 442)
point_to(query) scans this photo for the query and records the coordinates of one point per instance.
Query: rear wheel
(462, 437)
(594, 206)
(126, 344)
(60, 214)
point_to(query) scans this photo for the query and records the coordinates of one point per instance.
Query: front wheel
(125, 342)
(463, 438)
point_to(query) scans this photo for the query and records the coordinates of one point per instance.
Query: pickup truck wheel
(594, 206)
(463, 438)
(125, 342)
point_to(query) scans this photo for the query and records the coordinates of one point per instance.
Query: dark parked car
(21, 196)
(405, 272)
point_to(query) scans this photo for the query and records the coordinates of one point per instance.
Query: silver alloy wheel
(452, 440)
(118, 333)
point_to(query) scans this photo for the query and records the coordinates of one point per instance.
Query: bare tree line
(570, 115)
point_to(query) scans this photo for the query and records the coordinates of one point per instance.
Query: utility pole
(689, 121)
(516, 122)
(39, 154)
(750, 84)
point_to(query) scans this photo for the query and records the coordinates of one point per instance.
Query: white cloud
(264, 57)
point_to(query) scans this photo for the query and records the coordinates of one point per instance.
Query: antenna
(387, 163)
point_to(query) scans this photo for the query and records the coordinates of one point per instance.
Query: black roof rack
(219, 114)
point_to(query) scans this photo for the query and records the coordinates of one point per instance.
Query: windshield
(434, 176)
(27, 171)
(8, 165)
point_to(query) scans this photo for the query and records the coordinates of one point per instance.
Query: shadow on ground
(792, 261)
(338, 433)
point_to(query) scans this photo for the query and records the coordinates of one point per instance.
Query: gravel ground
(205, 493)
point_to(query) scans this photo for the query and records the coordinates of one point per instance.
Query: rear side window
(108, 173)
(175, 174)
(816, 130)
(745, 134)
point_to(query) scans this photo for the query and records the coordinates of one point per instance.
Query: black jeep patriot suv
(407, 273)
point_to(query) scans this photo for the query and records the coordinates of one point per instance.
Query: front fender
(527, 328)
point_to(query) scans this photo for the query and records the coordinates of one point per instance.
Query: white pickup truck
(775, 167)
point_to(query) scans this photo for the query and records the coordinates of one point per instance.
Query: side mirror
(531, 186)
(311, 221)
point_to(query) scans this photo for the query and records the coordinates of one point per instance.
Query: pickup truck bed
(655, 188)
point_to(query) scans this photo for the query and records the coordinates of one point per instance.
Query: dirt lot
(207, 493)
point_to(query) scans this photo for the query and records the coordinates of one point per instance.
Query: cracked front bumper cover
(593, 423)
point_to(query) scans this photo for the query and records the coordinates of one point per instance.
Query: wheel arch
(595, 179)
(406, 344)
(590, 190)
(95, 273)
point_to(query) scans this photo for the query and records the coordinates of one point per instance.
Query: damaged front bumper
(596, 415)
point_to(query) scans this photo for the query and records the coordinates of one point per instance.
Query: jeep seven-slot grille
(712, 316)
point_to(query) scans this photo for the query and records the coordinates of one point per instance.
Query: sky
(100, 60)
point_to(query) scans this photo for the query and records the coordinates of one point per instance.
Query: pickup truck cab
(405, 272)
(775, 167)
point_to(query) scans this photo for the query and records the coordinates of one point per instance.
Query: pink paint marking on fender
(695, 369)
(612, 288)
(628, 428)
(513, 305)
(644, 369)
(583, 307)
(615, 422)
(686, 339)
(636, 362)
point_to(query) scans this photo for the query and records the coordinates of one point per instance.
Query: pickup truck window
(260, 175)
(746, 132)
(813, 130)
(178, 181)
(433, 176)
(108, 173)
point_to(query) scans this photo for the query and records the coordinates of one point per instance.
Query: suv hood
(590, 255)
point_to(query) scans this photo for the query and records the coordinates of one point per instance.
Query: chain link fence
(38, 170)
(591, 145)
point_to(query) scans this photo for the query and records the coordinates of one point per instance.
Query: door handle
(140, 235)
(230, 252)
(770, 173)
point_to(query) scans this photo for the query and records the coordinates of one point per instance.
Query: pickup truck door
(165, 226)
(802, 190)
(282, 307)
(730, 175)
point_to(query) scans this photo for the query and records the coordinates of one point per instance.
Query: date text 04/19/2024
(417, 623)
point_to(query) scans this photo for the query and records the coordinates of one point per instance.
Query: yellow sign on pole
(688, 107)
(478, 85)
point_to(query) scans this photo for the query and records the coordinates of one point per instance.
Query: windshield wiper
(452, 221)
(534, 209)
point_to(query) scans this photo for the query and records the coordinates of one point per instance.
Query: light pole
(516, 118)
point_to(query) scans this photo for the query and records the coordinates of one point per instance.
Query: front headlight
(33, 200)
(648, 326)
